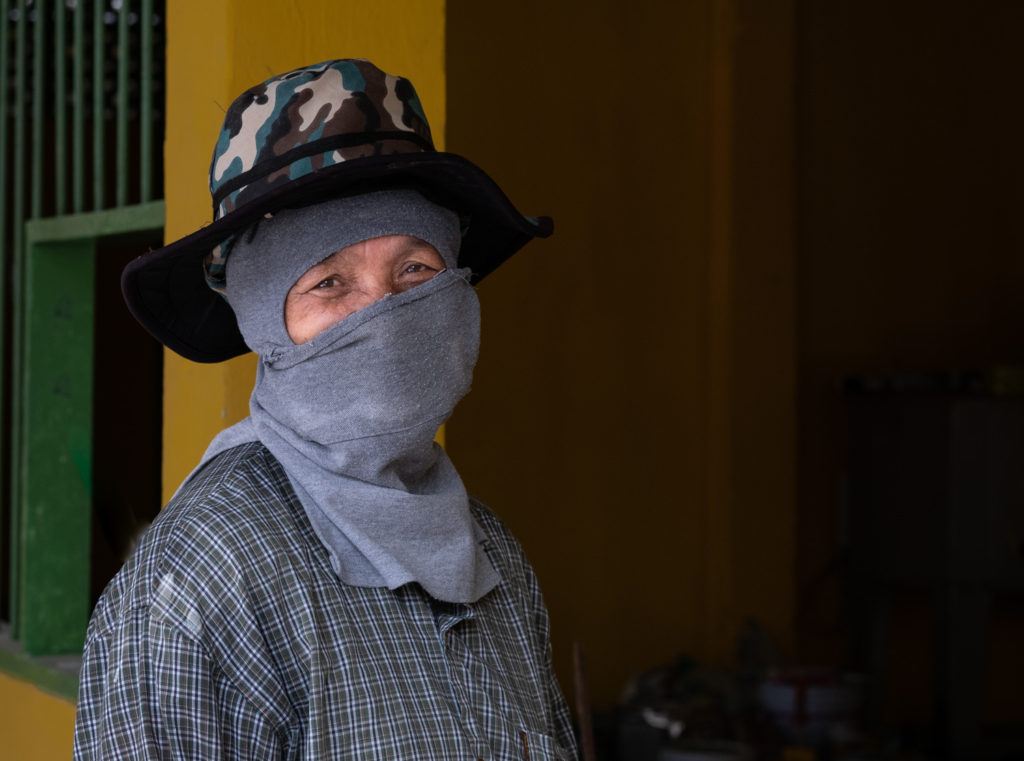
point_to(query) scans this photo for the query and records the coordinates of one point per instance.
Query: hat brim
(166, 289)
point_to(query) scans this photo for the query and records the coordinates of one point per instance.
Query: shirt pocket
(539, 747)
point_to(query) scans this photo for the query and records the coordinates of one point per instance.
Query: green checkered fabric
(227, 635)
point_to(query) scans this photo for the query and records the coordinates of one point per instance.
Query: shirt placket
(450, 620)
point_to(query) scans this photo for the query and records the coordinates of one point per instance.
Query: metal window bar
(5, 522)
(60, 109)
(97, 106)
(81, 130)
(13, 260)
(37, 15)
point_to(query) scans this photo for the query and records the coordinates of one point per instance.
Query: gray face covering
(351, 414)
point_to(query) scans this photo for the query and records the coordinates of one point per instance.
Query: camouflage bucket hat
(335, 128)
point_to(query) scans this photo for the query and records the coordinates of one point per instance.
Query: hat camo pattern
(305, 120)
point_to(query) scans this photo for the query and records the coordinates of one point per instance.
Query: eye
(413, 274)
(421, 267)
(329, 282)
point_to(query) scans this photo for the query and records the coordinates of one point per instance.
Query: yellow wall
(34, 726)
(215, 51)
(632, 414)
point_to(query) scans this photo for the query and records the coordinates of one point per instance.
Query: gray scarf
(351, 414)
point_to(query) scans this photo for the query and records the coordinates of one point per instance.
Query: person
(321, 586)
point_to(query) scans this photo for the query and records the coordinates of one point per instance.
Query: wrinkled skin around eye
(354, 277)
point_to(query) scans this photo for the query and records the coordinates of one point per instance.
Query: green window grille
(81, 140)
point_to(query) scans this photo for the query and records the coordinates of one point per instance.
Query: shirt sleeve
(147, 692)
(518, 573)
(562, 727)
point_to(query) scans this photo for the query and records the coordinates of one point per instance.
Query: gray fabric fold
(351, 415)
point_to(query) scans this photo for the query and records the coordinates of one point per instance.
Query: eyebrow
(327, 264)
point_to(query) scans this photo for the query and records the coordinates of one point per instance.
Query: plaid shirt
(228, 636)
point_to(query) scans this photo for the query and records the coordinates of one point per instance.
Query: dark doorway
(127, 415)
